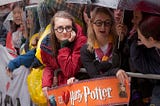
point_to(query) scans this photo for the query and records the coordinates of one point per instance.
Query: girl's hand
(45, 91)
(85, 16)
(72, 37)
(139, 42)
(121, 30)
(71, 80)
(9, 73)
(122, 76)
(23, 29)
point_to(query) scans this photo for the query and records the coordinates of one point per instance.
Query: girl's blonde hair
(90, 32)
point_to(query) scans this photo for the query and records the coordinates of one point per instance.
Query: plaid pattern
(74, 9)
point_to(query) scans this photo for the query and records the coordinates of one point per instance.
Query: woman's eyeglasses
(60, 29)
(99, 23)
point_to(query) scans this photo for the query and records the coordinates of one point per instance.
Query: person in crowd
(61, 50)
(139, 95)
(121, 28)
(33, 29)
(5, 9)
(45, 14)
(145, 52)
(142, 40)
(17, 31)
(141, 88)
(118, 15)
(74, 9)
(29, 59)
(97, 54)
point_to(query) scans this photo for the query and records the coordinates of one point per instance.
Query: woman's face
(118, 16)
(17, 15)
(29, 19)
(148, 42)
(63, 28)
(102, 25)
(137, 17)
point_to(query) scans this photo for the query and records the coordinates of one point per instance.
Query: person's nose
(133, 20)
(103, 26)
(64, 31)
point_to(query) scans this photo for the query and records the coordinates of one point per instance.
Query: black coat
(96, 68)
(145, 60)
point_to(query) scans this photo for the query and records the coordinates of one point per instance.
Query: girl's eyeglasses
(60, 29)
(99, 23)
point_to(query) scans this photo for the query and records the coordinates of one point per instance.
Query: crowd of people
(101, 41)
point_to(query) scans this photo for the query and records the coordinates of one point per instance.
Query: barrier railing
(132, 74)
(140, 75)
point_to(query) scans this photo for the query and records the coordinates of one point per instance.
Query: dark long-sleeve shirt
(145, 60)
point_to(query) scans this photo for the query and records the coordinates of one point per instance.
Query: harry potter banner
(94, 92)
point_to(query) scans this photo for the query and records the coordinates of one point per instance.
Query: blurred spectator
(141, 88)
(145, 52)
(5, 9)
(17, 31)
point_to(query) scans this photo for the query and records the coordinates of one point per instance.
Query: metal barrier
(132, 74)
(140, 75)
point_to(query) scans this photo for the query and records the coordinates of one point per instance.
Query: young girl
(96, 55)
(61, 50)
(17, 33)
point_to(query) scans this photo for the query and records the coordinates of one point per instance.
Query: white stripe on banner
(17, 88)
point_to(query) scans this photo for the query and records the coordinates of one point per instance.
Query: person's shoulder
(80, 31)
(46, 40)
(46, 43)
(84, 48)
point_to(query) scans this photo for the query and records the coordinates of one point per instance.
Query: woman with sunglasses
(97, 54)
(61, 50)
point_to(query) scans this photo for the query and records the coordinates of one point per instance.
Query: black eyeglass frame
(60, 29)
(106, 23)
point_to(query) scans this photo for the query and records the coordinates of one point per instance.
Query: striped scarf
(99, 52)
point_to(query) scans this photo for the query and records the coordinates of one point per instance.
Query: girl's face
(148, 42)
(29, 19)
(137, 17)
(17, 15)
(102, 25)
(63, 28)
(118, 16)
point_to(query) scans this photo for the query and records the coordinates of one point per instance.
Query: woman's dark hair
(54, 40)
(150, 27)
(36, 26)
(13, 26)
